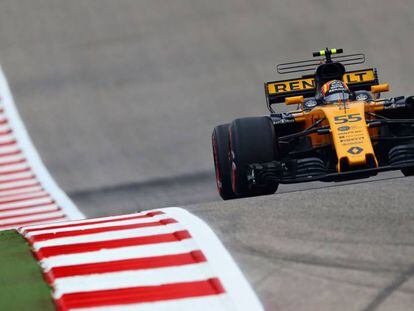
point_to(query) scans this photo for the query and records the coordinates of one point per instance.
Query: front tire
(403, 154)
(252, 140)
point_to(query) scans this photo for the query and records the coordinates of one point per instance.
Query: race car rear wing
(277, 91)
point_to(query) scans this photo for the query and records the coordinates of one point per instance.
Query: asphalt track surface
(120, 98)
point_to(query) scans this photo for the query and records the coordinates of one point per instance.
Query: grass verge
(22, 286)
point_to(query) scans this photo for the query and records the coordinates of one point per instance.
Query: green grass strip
(22, 286)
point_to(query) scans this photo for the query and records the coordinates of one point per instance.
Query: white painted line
(208, 303)
(108, 236)
(9, 185)
(5, 150)
(4, 127)
(30, 189)
(86, 221)
(11, 170)
(10, 227)
(101, 225)
(29, 218)
(11, 177)
(6, 139)
(16, 167)
(106, 255)
(26, 203)
(11, 158)
(133, 278)
(22, 196)
(21, 212)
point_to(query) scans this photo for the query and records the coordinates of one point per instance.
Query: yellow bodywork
(349, 132)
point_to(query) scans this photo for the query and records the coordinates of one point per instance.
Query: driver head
(335, 91)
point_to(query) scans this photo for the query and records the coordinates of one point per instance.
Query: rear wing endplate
(277, 91)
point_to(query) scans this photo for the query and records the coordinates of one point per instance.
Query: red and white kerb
(28, 195)
(162, 260)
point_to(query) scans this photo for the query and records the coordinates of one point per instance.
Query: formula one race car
(340, 130)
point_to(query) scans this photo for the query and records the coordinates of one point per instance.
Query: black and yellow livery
(322, 141)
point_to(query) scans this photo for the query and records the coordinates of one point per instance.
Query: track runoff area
(53, 258)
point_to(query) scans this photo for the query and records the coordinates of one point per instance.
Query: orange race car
(341, 129)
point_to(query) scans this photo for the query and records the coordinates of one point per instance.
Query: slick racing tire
(252, 140)
(220, 141)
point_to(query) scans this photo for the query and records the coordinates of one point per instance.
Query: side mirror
(380, 88)
(294, 100)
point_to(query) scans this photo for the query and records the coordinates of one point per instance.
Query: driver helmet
(335, 91)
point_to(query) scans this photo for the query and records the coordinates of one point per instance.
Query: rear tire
(220, 141)
(252, 140)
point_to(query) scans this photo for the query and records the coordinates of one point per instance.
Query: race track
(120, 98)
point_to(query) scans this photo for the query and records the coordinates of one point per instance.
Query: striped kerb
(118, 262)
(28, 195)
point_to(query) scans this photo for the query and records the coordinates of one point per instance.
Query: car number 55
(353, 117)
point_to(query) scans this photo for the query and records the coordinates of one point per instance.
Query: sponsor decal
(344, 128)
(355, 150)
(394, 106)
(310, 103)
(362, 97)
(284, 121)
(291, 86)
(281, 87)
(334, 87)
(359, 76)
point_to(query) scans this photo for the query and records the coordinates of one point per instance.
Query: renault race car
(355, 137)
